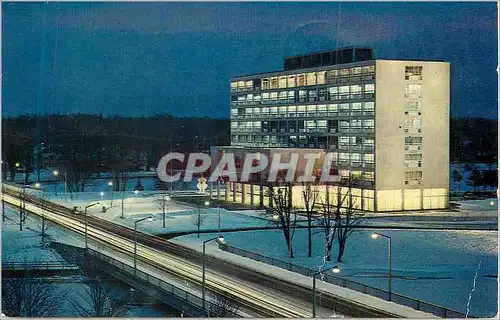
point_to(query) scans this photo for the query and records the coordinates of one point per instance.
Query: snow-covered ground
(434, 266)
(27, 246)
(101, 184)
(178, 217)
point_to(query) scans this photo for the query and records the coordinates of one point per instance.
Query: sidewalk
(292, 277)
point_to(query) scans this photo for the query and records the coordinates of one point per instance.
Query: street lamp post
(166, 199)
(101, 194)
(149, 218)
(220, 239)
(55, 173)
(335, 269)
(389, 259)
(110, 183)
(86, 221)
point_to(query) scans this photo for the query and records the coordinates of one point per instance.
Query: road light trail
(254, 298)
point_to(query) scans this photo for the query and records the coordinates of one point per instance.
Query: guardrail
(42, 265)
(189, 298)
(349, 284)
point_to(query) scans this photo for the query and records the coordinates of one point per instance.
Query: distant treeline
(473, 140)
(49, 140)
(83, 143)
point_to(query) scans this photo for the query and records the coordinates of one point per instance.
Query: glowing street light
(375, 236)
(55, 173)
(17, 164)
(110, 184)
(86, 222)
(220, 239)
(334, 269)
(148, 218)
(102, 194)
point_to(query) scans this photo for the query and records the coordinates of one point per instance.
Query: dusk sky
(140, 59)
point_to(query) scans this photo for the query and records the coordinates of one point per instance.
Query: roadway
(257, 292)
(253, 297)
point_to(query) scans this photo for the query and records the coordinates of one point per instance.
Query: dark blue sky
(141, 59)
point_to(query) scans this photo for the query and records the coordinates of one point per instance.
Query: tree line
(81, 145)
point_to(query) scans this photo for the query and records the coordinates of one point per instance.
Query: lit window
(265, 97)
(332, 93)
(344, 92)
(368, 123)
(369, 106)
(369, 88)
(413, 90)
(311, 79)
(368, 157)
(234, 86)
(322, 108)
(291, 81)
(356, 106)
(311, 110)
(249, 85)
(302, 95)
(274, 96)
(282, 82)
(313, 95)
(321, 77)
(412, 107)
(356, 70)
(302, 80)
(265, 84)
(274, 83)
(344, 72)
(369, 69)
(282, 96)
(332, 107)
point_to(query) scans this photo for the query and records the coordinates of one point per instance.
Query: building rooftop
(319, 68)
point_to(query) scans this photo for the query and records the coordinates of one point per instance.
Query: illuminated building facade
(386, 121)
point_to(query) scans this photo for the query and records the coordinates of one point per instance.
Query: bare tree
(29, 296)
(347, 218)
(198, 218)
(329, 220)
(284, 214)
(310, 196)
(163, 206)
(44, 225)
(222, 306)
(96, 301)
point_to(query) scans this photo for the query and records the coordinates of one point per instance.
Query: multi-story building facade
(386, 122)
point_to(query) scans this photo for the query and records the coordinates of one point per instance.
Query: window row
(355, 108)
(413, 108)
(306, 79)
(413, 72)
(413, 177)
(357, 91)
(331, 126)
(413, 91)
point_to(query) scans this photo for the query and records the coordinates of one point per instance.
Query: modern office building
(386, 121)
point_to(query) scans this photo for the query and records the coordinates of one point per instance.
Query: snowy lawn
(27, 245)
(434, 266)
(179, 216)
